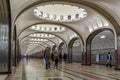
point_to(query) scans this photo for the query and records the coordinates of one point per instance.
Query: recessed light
(102, 36)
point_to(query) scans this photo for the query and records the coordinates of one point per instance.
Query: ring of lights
(41, 35)
(48, 28)
(60, 12)
(37, 39)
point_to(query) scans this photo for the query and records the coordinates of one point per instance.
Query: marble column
(116, 59)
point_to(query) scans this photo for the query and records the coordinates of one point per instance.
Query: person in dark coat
(52, 57)
(65, 57)
(56, 58)
(47, 57)
(109, 60)
(60, 57)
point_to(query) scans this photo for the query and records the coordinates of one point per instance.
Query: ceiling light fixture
(60, 12)
(42, 35)
(102, 36)
(48, 28)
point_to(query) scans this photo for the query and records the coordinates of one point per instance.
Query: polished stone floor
(3, 77)
(34, 69)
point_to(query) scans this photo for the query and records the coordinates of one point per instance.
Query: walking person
(60, 58)
(47, 57)
(109, 60)
(65, 57)
(56, 58)
(52, 57)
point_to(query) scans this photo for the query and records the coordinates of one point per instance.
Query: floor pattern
(34, 69)
(3, 77)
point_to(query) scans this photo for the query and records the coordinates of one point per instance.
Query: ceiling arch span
(72, 41)
(42, 45)
(93, 34)
(21, 43)
(24, 45)
(24, 40)
(43, 32)
(60, 46)
(97, 8)
(47, 44)
(39, 45)
(50, 40)
(34, 49)
(53, 48)
(54, 23)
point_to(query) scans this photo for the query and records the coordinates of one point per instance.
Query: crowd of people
(53, 58)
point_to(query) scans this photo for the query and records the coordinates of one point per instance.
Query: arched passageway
(76, 51)
(73, 50)
(54, 48)
(99, 44)
(60, 47)
(64, 49)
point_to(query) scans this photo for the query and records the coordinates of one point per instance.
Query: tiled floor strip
(34, 69)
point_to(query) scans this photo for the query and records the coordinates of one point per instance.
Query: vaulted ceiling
(78, 18)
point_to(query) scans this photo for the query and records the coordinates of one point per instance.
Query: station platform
(34, 69)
